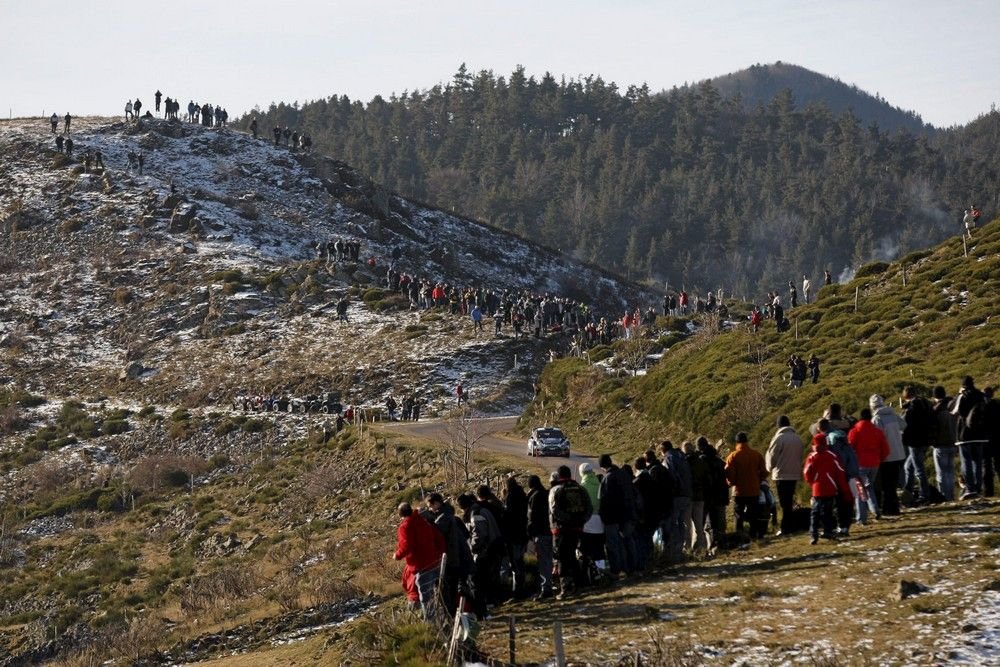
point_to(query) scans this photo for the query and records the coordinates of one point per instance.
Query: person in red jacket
(826, 476)
(421, 546)
(871, 447)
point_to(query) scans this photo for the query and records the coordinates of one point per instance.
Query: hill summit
(760, 84)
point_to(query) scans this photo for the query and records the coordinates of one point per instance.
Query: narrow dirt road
(496, 438)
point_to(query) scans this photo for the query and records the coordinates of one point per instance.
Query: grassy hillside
(938, 327)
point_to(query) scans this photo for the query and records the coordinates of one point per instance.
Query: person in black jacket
(664, 481)
(618, 512)
(917, 437)
(716, 492)
(515, 532)
(991, 455)
(540, 533)
(649, 514)
(458, 565)
(970, 408)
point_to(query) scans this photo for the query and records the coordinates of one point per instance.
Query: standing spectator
(477, 319)
(918, 434)
(944, 443)
(54, 120)
(825, 475)
(886, 419)
(806, 286)
(128, 111)
(827, 277)
(137, 107)
(663, 480)
(485, 544)
(871, 448)
(59, 142)
(618, 512)
(716, 493)
(539, 532)
(253, 127)
(156, 97)
(792, 295)
(991, 451)
(421, 546)
(67, 118)
(459, 393)
(836, 440)
(459, 558)
(647, 512)
(784, 461)
(515, 532)
(69, 147)
(745, 470)
(680, 516)
(971, 438)
(569, 509)
(699, 483)
(592, 539)
(814, 368)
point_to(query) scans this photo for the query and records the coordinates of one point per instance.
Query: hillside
(937, 328)
(760, 84)
(685, 187)
(139, 509)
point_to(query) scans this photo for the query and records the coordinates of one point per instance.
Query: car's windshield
(549, 433)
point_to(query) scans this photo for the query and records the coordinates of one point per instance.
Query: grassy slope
(938, 328)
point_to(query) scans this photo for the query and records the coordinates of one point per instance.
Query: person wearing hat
(892, 425)
(745, 470)
(592, 540)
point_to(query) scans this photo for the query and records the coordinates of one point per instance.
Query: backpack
(575, 504)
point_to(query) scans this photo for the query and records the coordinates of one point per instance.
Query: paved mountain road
(495, 438)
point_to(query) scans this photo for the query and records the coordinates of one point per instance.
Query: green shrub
(179, 415)
(19, 398)
(873, 269)
(372, 295)
(115, 427)
(231, 276)
(255, 425)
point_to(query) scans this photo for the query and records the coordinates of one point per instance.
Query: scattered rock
(182, 216)
(186, 249)
(133, 371)
(907, 589)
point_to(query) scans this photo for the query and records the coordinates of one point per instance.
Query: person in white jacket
(892, 425)
(784, 463)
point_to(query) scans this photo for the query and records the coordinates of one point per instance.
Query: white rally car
(548, 441)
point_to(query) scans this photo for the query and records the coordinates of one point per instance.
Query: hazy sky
(88, 56)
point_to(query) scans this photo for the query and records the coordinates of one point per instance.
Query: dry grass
(829, 604)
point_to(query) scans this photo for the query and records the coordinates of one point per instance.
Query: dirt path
(496, 439)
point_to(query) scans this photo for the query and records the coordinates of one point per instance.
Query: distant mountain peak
(759, 84)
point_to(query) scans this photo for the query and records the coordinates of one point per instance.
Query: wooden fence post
(965, 246)
(857, 291)
(560, 650)
(512, 640)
